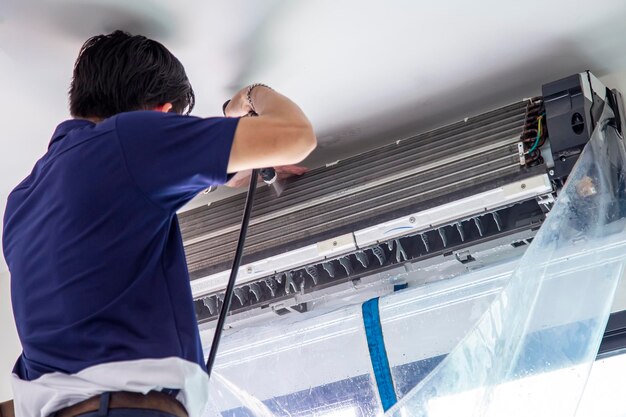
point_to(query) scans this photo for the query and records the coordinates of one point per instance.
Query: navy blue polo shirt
(91, 238)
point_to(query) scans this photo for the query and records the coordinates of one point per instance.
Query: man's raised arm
(280, 135)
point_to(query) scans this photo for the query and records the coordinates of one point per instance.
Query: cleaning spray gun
(268, 175)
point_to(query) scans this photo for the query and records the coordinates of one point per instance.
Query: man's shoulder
(148, 124)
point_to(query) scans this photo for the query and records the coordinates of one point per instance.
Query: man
(99, 283)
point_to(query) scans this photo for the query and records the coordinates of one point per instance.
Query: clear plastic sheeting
(318, 364)
(310, 367)
(512, 339)
(422, 325)
(551, 315)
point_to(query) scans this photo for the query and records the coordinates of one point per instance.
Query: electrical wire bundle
(535, 133)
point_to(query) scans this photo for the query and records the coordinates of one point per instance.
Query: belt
(7, 409)
(157, 401)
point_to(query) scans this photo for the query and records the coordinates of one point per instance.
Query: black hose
(228, 295)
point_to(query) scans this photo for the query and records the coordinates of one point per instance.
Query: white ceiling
(365, 72)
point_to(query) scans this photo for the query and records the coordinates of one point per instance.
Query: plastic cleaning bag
(318, 364)
(530, 354)
(296, 368)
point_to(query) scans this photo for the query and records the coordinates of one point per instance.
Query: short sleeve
(171, 157)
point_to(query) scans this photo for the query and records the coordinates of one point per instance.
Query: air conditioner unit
(463, 196)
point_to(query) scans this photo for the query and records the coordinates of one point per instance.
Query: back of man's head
(119, 72)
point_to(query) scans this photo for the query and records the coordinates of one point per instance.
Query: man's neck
(91, 119)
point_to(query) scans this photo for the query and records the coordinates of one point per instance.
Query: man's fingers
(291, 169)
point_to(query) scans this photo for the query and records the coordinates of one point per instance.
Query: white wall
(615, 80)
(9, 344)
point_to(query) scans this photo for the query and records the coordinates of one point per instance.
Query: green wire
(538, 136)
(534, 145)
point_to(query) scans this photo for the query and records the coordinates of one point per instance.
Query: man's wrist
(252, 93)
(241, 106)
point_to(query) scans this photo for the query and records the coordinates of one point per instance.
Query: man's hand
(238, 106)
(242, 179)
(287, 171)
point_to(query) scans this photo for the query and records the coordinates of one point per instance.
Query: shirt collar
(67, 126)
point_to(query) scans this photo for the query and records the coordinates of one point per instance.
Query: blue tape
(378, 353)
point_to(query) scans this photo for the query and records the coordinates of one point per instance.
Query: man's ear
(164, 108)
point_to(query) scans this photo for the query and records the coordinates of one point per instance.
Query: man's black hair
(119, 72)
